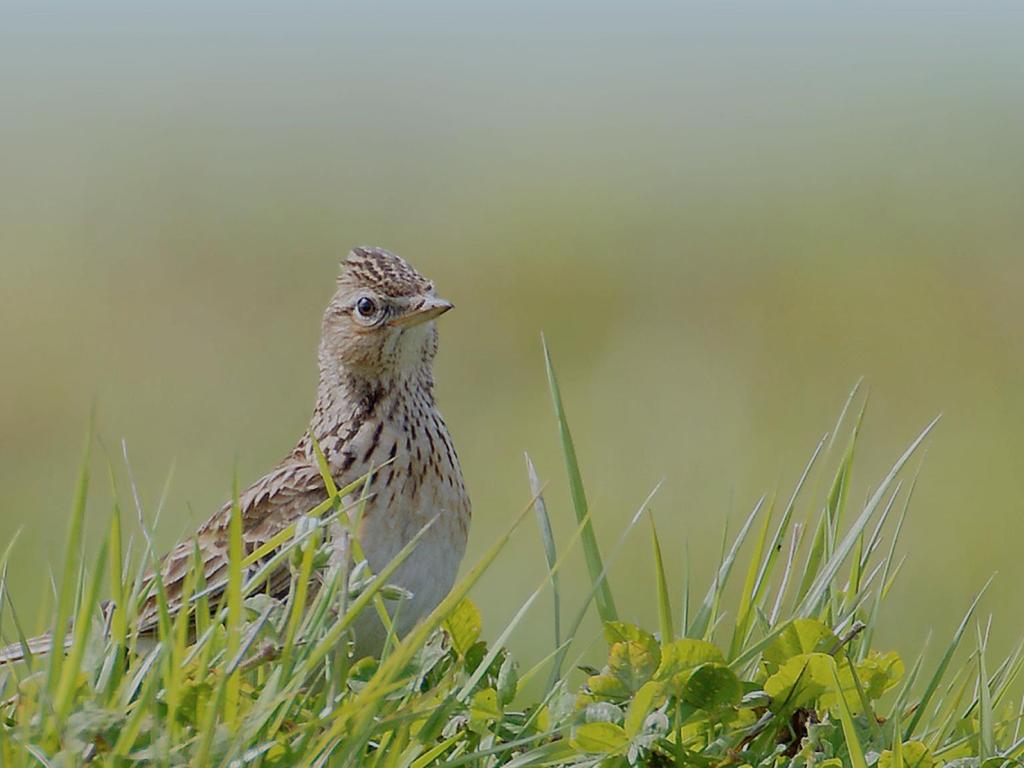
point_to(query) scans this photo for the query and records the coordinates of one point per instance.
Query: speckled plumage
(374, 406)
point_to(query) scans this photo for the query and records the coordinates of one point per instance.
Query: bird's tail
(36, 646)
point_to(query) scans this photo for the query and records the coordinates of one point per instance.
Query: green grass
(774, 666)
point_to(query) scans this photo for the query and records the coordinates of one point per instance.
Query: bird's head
(379, 323)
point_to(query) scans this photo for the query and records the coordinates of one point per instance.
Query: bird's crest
(384, 272)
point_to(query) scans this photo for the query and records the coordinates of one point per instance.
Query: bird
(374, 410)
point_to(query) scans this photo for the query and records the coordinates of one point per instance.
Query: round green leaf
(683, 655)
(600, 738)
(712, 686)
(800, 681)
(630, 665)
(799, 637)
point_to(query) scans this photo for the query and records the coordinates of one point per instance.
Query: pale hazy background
(720, 218)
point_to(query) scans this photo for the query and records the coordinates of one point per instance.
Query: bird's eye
(366, 307)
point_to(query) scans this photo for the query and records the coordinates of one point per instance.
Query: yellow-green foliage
(777, 670)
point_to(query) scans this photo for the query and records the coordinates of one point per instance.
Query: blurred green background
(720, 218)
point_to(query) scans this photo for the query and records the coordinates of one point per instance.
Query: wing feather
(268, 507)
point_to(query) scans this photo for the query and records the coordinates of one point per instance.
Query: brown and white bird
(374, 408)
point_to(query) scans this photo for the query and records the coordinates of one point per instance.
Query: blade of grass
(234, 602)
(701, 621)
(853, 744)
(945, 714)
(748, 594)
(591, 551)
(3, 575)
(940, 671)
(897, 743)
(548, 540)
(685, 622)
(664, 604)
(821, 533)
(69, 586)
(787, 572)
(137, 710)
(889, 559)
(118, 622)
(80, 636)
(1011, 669)
(987, 739)
(753, 592)
(828, 572)
(298, 601)
(900, 705)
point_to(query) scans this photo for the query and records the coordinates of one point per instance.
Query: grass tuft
(778, 670)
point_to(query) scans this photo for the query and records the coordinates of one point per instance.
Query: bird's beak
(427, 309)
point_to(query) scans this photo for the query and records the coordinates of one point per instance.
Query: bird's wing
(267, 507)
(37, 646)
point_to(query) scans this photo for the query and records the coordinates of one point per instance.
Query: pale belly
(428, 572)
